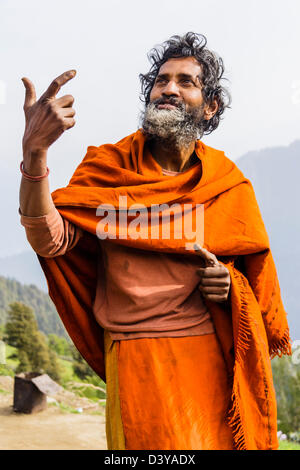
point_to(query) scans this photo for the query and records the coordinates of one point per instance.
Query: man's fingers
(212, 271)
(209, 258)
(65, 101)
(215, 298)
(214, 281)
(68, 112)
(30, 95)
(57, 83)
(213, 290)
(68, 123)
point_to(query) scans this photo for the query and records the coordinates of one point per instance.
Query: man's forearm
(35, 197)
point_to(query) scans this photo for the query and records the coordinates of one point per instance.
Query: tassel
(244, 332)
(234, 421)
(281, 346)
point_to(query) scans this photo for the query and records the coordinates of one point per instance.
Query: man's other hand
(214, 277)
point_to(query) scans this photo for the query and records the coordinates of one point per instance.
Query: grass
(288, 445)
(65, 408)
(87, 390)
(67, 373)
(99, 412)
(11, 362)
(5, 370)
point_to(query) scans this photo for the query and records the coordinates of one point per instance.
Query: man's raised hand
(47, 118)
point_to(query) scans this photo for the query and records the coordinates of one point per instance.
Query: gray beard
(174, 128)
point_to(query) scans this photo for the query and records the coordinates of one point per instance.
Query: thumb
(209, 258)
(30, 95)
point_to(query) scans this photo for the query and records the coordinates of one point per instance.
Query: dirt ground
(53, 428)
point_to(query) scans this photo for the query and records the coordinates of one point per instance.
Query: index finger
(57, 83)
(209, 258)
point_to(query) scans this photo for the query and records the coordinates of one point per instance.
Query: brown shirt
(143, 294)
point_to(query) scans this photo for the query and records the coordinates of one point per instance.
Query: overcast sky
(107, 43)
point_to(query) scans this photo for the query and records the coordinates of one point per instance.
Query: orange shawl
(251, 330)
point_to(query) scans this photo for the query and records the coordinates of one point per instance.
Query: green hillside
(46, 315)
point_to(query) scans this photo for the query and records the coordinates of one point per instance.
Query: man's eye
(186, 81)
(160, 80)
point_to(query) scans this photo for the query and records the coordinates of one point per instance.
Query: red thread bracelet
(33, 178)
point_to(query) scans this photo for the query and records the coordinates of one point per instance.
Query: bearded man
(183, 337)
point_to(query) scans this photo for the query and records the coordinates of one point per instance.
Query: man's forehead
(181, 65)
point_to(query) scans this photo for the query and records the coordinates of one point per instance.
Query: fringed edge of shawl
(235, 422)
(243, 343)
(244, 332)
(281, 346)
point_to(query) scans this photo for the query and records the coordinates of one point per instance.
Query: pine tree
(21, 326)
(24, 364)
(38, 353)
(33, 351)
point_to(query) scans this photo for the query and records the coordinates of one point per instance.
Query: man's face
(176, 112)
(178, 82)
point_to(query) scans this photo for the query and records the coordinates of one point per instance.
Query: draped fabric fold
(251, 327)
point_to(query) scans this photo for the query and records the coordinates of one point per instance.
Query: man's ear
(210, 110)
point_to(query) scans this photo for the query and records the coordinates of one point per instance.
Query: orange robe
(172, 400)
(250, 330)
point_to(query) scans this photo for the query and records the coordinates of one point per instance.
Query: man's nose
(170, 89)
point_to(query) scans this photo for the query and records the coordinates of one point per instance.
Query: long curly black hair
(191, 45)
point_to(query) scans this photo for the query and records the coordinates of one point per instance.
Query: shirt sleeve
(50, 235)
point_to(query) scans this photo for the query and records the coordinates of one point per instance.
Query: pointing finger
(209, 258)
(30, 95)
(57, 83)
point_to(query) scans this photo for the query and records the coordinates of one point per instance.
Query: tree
(39, 353)
(287, 385)
(80, 366)
(58, 344)
(24, 364)
(33, 352)
(54, 369)
(21, 326)
(46, 315)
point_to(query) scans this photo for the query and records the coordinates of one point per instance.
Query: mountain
(43, 307)
(274, 173)
(24, 267)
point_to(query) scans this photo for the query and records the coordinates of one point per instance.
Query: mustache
(172, 101)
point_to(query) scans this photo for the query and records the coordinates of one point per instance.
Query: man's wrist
(35, 162)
